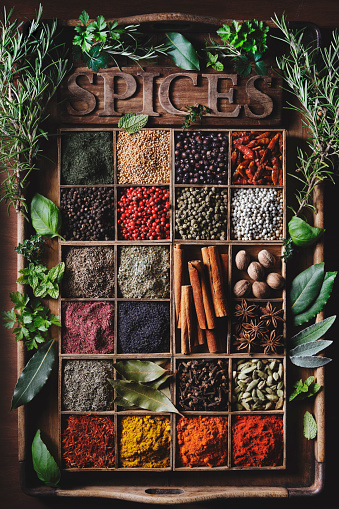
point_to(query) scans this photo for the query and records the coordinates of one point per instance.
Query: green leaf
(305, 287)
(84, 17)
(310, 426)
(139, 371)
(143, 396)
(310, 361)
(261, 67)
(43, 462)
(97, 59)
(34, 375)
(56, 273)
(132, 123)
(182, 52)
(313, 332)
(123, 402)
(242, 65)
(302, 233)
(224, 32)
(156, 384)
(218, 66)
(45, 216)
(324, 294)
(9, 318)
(310, 348)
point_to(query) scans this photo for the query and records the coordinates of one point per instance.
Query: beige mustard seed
(143, 157)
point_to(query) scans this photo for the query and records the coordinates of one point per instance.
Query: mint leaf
(310, 426)
(132, 123)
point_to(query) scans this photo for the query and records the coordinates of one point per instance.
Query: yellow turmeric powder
(145, 441)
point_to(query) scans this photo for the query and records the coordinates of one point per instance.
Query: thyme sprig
(312, 76)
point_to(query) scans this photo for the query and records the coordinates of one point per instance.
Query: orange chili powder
(202, 441)
(257, 441)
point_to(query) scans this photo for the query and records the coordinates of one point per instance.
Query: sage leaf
(317, 306)
(310, 426)
(45, 216)
(302, 234)
(182, 52)
(43, 462)
(310, 348)
(139, 371)
(313, 332)
(143, 396)
(34, 375)
(310, 361)
(305, 287)
(132, 123)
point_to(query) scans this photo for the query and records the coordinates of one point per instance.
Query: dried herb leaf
(313, 332)
(43, 462)
(305, 288)
(310, 426)
(322, 298)
(139, 371)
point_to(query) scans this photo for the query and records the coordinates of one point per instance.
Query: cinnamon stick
(212, 260)
(206, 295)
(212, 341)
(201, 336)
(224, 264)
(197, 294)
(186, 312)
(178, 261)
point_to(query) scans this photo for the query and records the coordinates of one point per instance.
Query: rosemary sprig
(312, 76)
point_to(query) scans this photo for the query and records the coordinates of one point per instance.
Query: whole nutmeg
(275, 281)
(256, 271)
(242, 288)
(242, 260)
(260, 289)
(266, 258)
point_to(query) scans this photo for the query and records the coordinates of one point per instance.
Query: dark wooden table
(326, 15)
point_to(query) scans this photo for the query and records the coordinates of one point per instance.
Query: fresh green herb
(32, 65)
(32, 249)
(182, 52)
(312, 76)
(310, 426)
(313, 332)
(305, 389)
(32, 320)
(34, 375)
(245, 43)
(45, 216)
(287, 249)
(43, 281)
(43, 462)
(194, 113)
(302, 234)
(132, 123)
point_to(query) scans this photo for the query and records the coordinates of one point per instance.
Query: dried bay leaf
(43, 462)
(139, 371)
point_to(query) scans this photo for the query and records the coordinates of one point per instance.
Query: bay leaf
(34, 375)
(182, 52)
(160, 381)
(305, 287)
(43, 462)
(303, 234)
(310, 348)
(45, 216)
(313, 332)
(123, 402)
(310, 426)
(143, 396)
(310, 361)
(317, 306)
(139, 371)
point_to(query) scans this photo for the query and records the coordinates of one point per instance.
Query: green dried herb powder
(85, 387)
(87, 158)
(144, 272)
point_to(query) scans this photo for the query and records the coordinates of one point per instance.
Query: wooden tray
(301, 474)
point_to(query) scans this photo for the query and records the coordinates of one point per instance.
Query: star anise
(270, 344)
(257, 330)
(244, 342)
(243, 311)
(271, 314)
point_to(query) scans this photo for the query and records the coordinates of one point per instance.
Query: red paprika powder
(257, 441)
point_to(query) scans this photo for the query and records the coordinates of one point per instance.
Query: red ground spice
(87, 327)
(88, 441)
(257, 441)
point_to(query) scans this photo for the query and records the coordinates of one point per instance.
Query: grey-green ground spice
(89, 272)
(87, 157)
(85, 387)
(144, 272)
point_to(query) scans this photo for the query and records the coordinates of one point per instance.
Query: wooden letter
(110, 96)
(164, 91)
(255, 94)
(214, 95)
(79, 94)
(147, 93)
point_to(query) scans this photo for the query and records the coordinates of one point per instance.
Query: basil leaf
(310, 361)
(34, 375)
(182, 52)
(305, 287)
(310, 348)
(139, 371)
(310, 426)
(302, 233)
(132, 123)
(43, 462)
(322, 298)
(143, 396)
(46, 217)
(313, 332)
